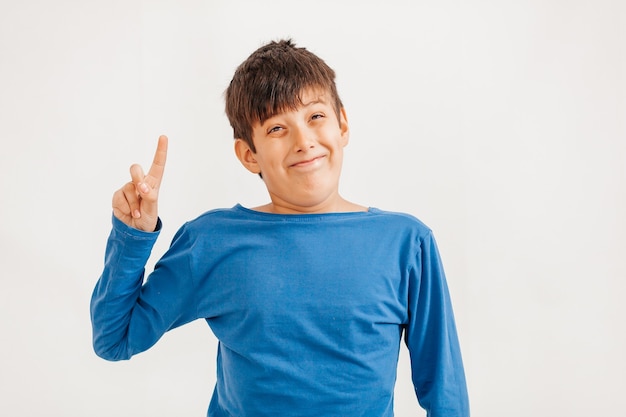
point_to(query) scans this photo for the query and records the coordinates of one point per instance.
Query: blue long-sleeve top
(309, 310)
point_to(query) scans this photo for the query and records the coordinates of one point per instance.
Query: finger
(126, 202)
(135, 190)
(121, 208)
(132, 199)
(158, 163)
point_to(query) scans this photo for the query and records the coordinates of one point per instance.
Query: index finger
(160, 156)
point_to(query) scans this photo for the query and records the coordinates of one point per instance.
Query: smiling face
(299, 154)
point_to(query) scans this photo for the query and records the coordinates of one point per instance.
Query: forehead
(313, 95)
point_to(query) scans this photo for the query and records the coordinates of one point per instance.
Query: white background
(500, 124)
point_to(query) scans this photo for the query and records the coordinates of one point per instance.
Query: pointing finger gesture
(136, 203)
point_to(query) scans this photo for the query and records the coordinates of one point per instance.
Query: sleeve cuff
(129, 231)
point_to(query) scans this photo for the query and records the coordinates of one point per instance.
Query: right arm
(118, 289)
(127, 316)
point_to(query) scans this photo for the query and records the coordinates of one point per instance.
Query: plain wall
(499, 124)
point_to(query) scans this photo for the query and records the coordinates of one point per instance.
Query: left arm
(431, 337)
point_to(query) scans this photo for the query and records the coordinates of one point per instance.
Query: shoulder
(400, 219)
(213, 220)
(218, 214)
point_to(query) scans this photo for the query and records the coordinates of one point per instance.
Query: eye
(317, 116)
(274, 129)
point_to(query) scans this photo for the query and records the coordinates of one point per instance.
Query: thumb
(138, 179)
(145, 192)
(137, 176)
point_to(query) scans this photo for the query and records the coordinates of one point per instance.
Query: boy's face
(299, 154)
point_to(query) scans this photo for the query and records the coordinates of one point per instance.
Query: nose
(304, 138)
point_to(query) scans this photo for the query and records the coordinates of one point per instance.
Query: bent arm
(127, 315)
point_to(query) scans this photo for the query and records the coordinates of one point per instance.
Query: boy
(309, 295)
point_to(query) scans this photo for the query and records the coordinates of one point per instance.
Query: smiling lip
(307, 162)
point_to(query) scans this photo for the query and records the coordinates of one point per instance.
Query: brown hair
(271, 81)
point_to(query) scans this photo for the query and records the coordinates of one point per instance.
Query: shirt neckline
(304, 216)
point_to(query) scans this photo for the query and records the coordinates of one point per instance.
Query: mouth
(308, 162)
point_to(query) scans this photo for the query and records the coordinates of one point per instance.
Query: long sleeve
(431, 336)
(127, 315)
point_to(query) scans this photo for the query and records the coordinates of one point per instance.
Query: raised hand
(136, 203)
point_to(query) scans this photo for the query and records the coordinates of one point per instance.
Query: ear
(246, 156)
(343, 126)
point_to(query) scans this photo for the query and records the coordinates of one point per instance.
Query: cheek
(338, 140)
(270, 167)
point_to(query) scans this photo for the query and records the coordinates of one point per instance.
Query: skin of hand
(136, 203)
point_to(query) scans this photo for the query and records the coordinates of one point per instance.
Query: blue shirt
(309, 310)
